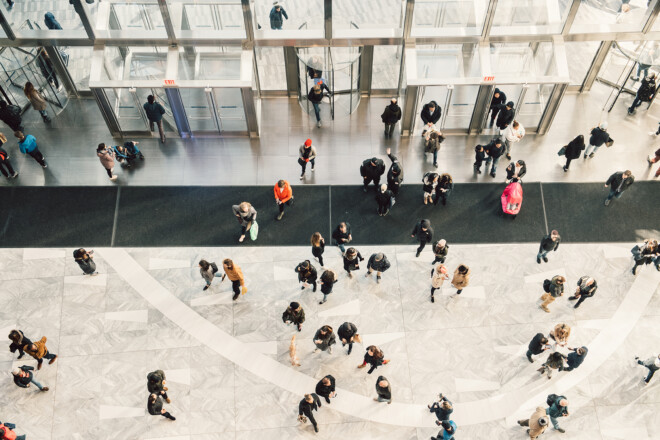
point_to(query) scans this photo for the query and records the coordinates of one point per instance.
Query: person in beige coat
(438, 276)
(461, 278)
(537, 423)
(37, 100)
(107, 158)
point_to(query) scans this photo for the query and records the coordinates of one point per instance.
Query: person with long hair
(107, 158)
(246, 215)
(374, 357)
(573, 150)
(37, 100)
(328, 279)
(318, 246)
(324, 339)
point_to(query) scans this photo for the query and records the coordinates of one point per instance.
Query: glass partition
(271, 68)
(579, 56)
(134, 62)
(386, 67)
(448, 61)
(350, 14)
(210, 63)
(137, 16)
(610, 16)
(43, 15)
(535, 17)
(217, 16)
(450, 17)
(523, 59)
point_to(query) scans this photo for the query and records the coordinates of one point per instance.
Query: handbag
(254, 230)
(562, 151)
(609, 143)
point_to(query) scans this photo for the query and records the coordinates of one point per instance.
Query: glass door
(532, 104)
(159, 93)
(458, 111)
(200, 111)
(230, 111)
(128, 109)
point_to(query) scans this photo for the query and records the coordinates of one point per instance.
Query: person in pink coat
(107, 158)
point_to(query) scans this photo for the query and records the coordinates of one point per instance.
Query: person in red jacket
(283, 195)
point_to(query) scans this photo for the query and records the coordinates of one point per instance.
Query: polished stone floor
(228, 365)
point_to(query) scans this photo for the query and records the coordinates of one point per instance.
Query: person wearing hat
(307, 153)
(505, 117)
(23, 377)
(537, 423)
(6, 428)
(294, 314)
(276, 14)
(516, 170)
(447, 432)
(424, 233)
(371, 170)
(512, 134)
(599, 136)
(391, 115)
(440, 250)
(395, 174)
(377, 262)
(653, 365)
(306, 274)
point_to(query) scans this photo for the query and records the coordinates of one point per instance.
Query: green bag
(254, 230)
(562, 151)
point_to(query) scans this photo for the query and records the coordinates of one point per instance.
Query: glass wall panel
(448, 60)
(271, 68)
(451, 17)
(302, 14)
(229, 105)
(534, 17)
(386, 67)
(127, 108)
(533, 104)
(610, 16)
(135, 62)
(579, 56)
(461, 106)
(47, 14)
(516, 59)
(198, 110)
(220, 16)
(142, 16)
(384, 14)
(210, 63)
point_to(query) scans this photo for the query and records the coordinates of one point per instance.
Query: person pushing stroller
(128, 152)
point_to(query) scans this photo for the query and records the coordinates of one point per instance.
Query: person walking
(431, 113)
(11, 115)
(652, 364)
(306, 274)
(440, 250)
(39, 351)
(555, 361)
(461, 278)
(51, 23)
(379, 263)
(208, 271)
(432, 144)
(575, 358)
(654, 159)
(318, 247)
(6, 428)
(479, 156)
(561, 333)
(306, 153)
(507, 113)
(371, 170)
(498, 99)
(537, 423)
(645, 93)
(573, 149)
(328, 279)
(442, 408)
(599, 136)
(348, 334)
(374, 357)
(5, 165)
(155, 407)
(37, 100)
(18, 341)
(512, 134)
(548, 243)
(429, 183)
(494, 151)
(294, 314)
(385, 199)
(557, 408)
(342, 235)
(324, 339)
(309, 403)
(107, 157)
(156, 384)
(447, 432)
(85, 261)
(646, 253)
(438, 276)
(383, 390)
(277, 16)
(246, 216)
(516, 170)
(28, 145)
(235, 275)
(155, 111)
(283, 196)
(326, 388)
(444, 188)
(553, 289)
(391, 115)
(394, 174)
(537, 345)
(352, 260)
(618, 183)
(23, 377)
(586, 288)
(423, 233)
(315, 96)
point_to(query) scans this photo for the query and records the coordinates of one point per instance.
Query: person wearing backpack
(155, 113)
(553, 289)
(28, 145)
(391, 115)
(557, 407)
(235, 275)
(5, 166)
(7, 432)
(208, 271)
(11, 115)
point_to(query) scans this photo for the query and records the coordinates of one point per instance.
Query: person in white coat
(512, 134)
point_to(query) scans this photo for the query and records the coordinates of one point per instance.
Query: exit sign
(169, 82)
(489, 78)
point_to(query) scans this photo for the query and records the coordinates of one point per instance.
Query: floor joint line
(116, 217)
(545, 216)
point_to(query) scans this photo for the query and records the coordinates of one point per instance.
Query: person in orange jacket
(283, 195)
(39, 351)
(235, 275)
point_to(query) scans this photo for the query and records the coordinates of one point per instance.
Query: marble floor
(227, 362)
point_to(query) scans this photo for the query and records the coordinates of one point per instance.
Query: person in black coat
(507, 113)
(618, 183)
(395, 174)
(494, 150)
(85, 261)
(23, 377)
(442, 409)
(352, 260)
(156, 384)
(479, 156)
(383, 390)
(599, 136)
(431, 113)
(498, 99)
(575, 358)
(644, 93)
(155, 407)
(315, 96)
(328, 279)
(371, 170)
(294, 314)
(309, 403)
(444, 188)
(384, 198)
(548, 243)
(516, 170)
(377, 262)
(277, 16)
(18, 341)
(573, 150)
(424, 233)
(342, 235)
(306, 274)
(348, 334)
(11, 115)
(326, 388)
(374, 357)
(587, 287)
(391, 115)
(537, 345)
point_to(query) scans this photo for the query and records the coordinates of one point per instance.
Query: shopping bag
(254, 230)
(243, 290)
(562, 151)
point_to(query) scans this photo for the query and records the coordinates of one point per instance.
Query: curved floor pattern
(409, 415)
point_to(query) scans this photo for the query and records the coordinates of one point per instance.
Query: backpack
(546, 285)
(552, 398)
(214, 267)
(7, 434)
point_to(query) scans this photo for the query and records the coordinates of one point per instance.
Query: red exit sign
(489, 78)
(169, 82)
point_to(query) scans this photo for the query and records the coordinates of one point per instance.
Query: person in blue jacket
(275, 15)
(28, 145)
(51, 22)
(448, 431)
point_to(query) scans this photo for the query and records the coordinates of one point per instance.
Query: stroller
(512, 198)
(127, 153)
